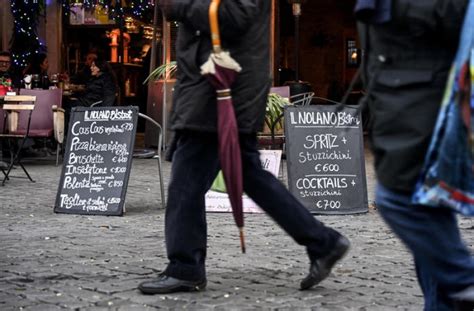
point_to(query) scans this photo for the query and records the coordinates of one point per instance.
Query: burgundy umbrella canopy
(221, 70)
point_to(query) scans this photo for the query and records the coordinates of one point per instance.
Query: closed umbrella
(222, 70)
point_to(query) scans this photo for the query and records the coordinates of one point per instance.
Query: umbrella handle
(214, 23)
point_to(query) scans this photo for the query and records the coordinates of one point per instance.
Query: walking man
(409, 48)
(245, 32)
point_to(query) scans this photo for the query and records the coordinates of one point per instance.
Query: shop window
(353, 56)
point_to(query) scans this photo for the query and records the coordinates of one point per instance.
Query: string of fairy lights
(25, 40)
(26, 13)
(116, 8)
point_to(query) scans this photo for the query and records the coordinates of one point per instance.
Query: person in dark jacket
(409, 50)
(84, 74)
(244, 26)
(100, 89)
(38, 66)
(7, 71)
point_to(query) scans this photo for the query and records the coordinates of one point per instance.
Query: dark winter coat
(82, 76)
(405, 70)
(100, 88)
(244, 26)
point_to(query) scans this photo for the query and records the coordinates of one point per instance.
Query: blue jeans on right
(443, 263)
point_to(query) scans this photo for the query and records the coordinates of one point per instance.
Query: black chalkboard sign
(325, 157)
(97, 161)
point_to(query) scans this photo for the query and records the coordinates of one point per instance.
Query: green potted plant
(164, 71)
(274, 110)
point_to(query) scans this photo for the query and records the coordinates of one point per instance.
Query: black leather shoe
(165, 284)
(460, 305)
(464, 300)
(320, 268)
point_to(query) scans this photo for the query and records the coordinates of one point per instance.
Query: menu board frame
(325, 156)
(119, 118)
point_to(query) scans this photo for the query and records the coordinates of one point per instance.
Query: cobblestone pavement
(54, 261)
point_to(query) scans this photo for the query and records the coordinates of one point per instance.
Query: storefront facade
(328, 49)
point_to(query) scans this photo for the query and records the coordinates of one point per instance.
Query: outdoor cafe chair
(45, 122)
(2, 131)
(16, 136)
(2, 121)
(301, 99)
(157, 155)
(58, 128)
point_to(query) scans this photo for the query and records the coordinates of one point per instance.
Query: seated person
(39, 66)
(7, 71)
(82, 76)
(100, 89)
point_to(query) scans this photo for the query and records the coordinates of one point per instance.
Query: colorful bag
(447, 178)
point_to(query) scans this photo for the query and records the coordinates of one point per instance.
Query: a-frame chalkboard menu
(97, 160)
(325, 158)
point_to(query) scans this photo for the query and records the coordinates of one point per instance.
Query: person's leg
(444, 264)
(435, 298)
(195, 165)
(275, 199)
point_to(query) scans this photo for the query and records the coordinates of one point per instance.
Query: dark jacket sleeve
(449, 13)
(235, 16)
(109, 90)
(439, 16)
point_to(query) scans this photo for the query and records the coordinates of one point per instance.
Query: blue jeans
(195, 165)
(443, 263)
